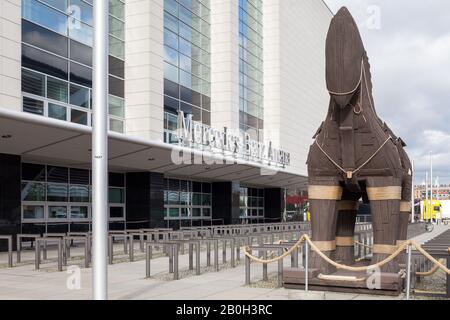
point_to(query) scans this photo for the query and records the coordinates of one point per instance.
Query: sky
(408, 43)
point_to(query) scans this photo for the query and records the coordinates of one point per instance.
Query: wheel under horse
(355, 156)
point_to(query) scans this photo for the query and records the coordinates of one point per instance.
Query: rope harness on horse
(350, 174)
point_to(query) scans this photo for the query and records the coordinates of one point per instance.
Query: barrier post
(408, 272)
(176, 251)
(306, 265)
(208, 254)
(111, 250)
(37, 255)
(197, 258)
(147, 260)
(60, 244)
(247, 270)
(265, 277)
(10, 252)
(280, 269)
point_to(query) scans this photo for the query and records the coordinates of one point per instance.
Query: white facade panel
(144, 69)
(296, 99)
(10, 54)
(225, 64)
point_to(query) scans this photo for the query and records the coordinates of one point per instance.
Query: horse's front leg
(324, 196)
(345, 234)
(384, 194)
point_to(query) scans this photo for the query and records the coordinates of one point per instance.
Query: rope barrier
(380, 264)
(431, 272)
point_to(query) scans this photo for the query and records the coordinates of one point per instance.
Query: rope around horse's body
(345, 267)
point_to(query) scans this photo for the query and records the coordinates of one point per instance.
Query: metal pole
(431, 186)
(100, 151)
(412, 192)
(408, 273)
(306, 265)
(426, 197)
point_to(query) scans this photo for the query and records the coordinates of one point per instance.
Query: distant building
(440, 193)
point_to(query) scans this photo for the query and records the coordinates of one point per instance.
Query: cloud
(410, 65)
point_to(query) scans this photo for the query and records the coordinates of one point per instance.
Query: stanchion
(306, 265)
(408, 272)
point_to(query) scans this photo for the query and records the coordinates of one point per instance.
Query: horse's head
(344, 56)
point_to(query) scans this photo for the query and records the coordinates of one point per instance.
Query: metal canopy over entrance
(39, 139)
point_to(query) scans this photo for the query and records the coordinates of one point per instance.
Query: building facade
(212, 108)
(441, 192)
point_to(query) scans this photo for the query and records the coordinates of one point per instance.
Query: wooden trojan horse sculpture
(355, 155)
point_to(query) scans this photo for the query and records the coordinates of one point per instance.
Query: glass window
(80, 11)
(171, 22)
(174, 198)
(170, 39)
(80, 74)
(44, 15)
(79, 96)
(81, 53)
(57, 112)
(33, 82)
(116, 28)
(116, 195)
(56, 192)
(116, 67)
(116, 180)
(57, 212)
(171, 6)
(116, 87)
(171, 55)
(170, 72)
(116, 212)
(44, 62)
(196, 212)
(116, 8)
(44, 38)
(79, 212)
(206, 212)
(116, 125)
(33, 212)
(79, 176)
(116, 47)
(58, 4)
(174, 213)
(79, 193)
(77, 116)
(116, 106)
(33, 172)
(185, 212)
(57, 174)
(33, 106)
(33, 191)
(57, 89)
(81, 32)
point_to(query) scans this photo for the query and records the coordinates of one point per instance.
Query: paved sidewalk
(427, 236)
(127, 281)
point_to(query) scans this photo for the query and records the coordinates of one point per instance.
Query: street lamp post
(426, 197)
(431, 186)
(412, 192)
(100, 151)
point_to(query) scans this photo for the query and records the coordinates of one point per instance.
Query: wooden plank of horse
(355, 155)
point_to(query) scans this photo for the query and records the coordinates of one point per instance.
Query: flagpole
(100, 151)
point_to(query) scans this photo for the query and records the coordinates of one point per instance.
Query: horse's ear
(319, 130)
(403, 143)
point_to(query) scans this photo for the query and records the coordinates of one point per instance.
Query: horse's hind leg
(345, 243)
(404, 218)
(384, 194)
(324, 195)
